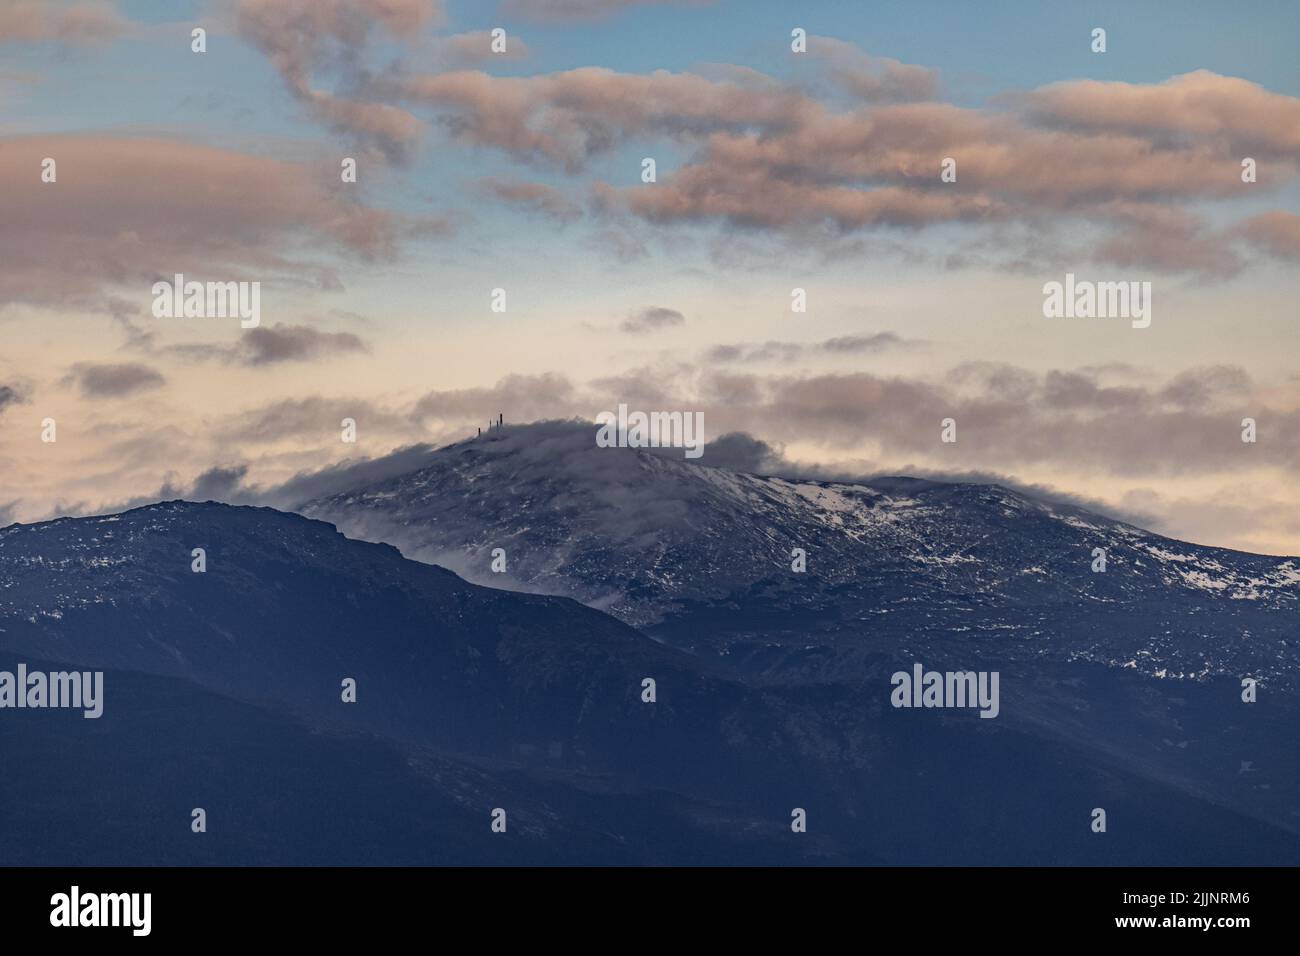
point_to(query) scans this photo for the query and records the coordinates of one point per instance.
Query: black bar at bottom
(339, 905)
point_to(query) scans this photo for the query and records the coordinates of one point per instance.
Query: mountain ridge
(469, 698)
(701, 557)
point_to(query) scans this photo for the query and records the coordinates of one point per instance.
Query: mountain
(288, 608)
(1139, 667)
(701, 558)
(465, 695)
(222, 691)
(120, 791)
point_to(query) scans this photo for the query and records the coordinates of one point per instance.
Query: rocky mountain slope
(701, 557)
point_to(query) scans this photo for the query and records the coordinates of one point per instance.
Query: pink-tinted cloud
(1165, 239)
(537, 197)
(1203, 106)
(305, 37)
(1126, 159)
(872, 79)
(567, 117)
(1276, 232)
(79, 23)
(465, 50)
(881, 167)
(577, 10)
(752, 198)
(125, 212)
(769, 156)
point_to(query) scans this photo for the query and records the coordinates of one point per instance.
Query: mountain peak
(707, 558)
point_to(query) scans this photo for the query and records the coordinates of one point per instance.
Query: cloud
(1124, 161)
(567, 117)
(1277, 233)
(520, 397)
(9, 395)
(229, 483)
(873, 79)
(334, 479)
(1215, 385)
(790, 351)
(302, 38)
(535, 197)
(313, 420)
(73, 22)
(1201, 106)
(130, 211)
(738, 451)
(773, 133)
(1164, 239)
(114, 380)
(217, 484)
(1248, 514)
(463, 50)
(562, 11)
(285, 343)
(878, 167)
(764, 352)
(1108, 427)
(856, 344)
(651, 319)
(832, 471)
(568, 447)
(269, 345)
(1010, 419)
(873, 167)
(1060, 419)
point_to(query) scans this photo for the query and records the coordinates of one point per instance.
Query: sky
(775, 169)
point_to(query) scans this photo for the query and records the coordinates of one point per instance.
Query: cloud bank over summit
(570, 446)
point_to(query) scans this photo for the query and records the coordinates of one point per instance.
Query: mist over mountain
(701, 557)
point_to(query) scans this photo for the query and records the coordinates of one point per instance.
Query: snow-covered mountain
(702, 557)
(222, 690)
